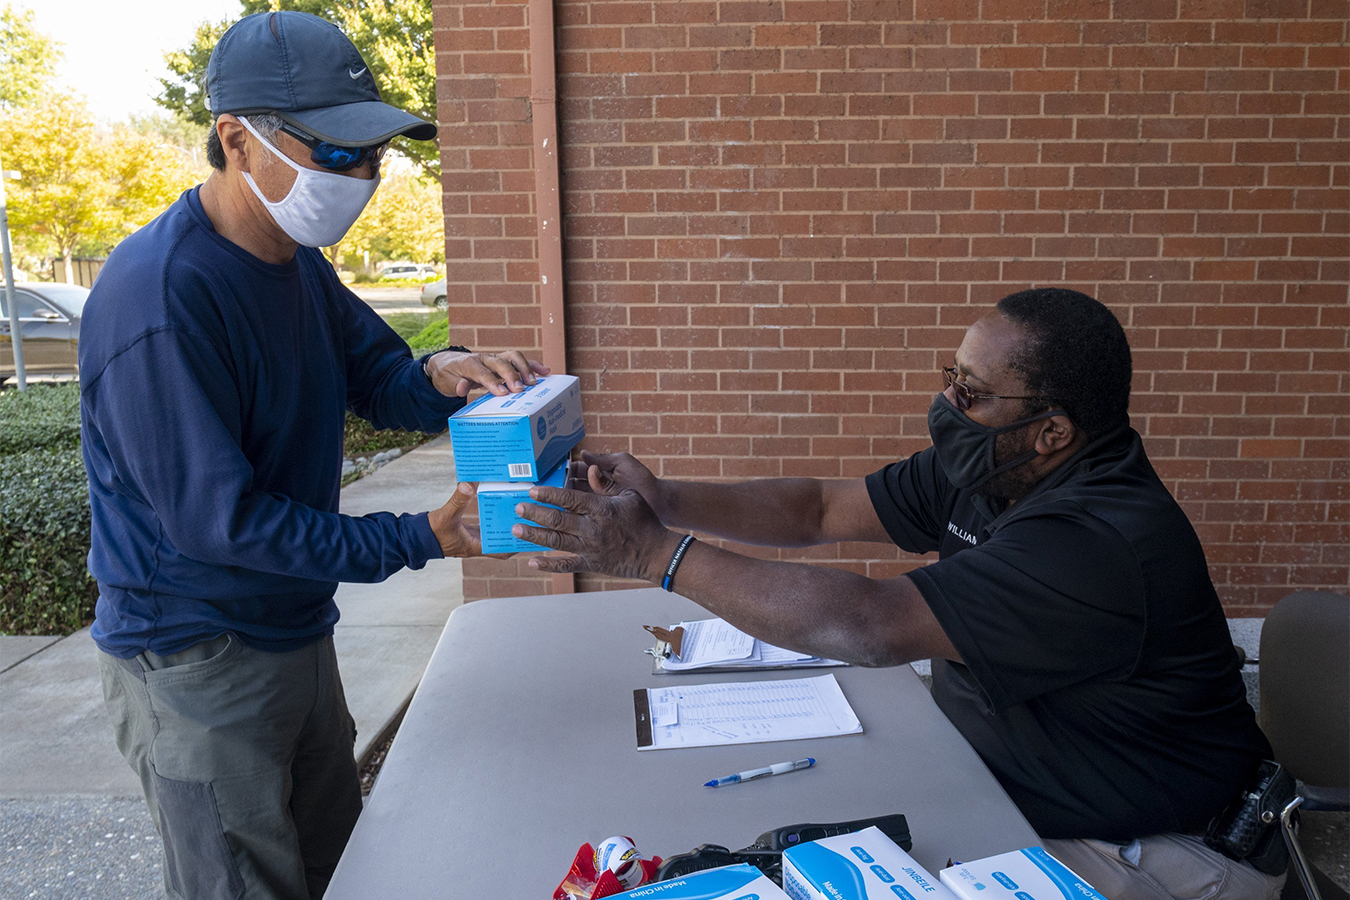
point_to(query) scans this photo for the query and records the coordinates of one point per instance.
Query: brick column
(483, 86)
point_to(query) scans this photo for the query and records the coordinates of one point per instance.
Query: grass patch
(376, 281)
(407, 325)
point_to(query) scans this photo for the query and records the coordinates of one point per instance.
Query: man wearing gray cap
(218, 356)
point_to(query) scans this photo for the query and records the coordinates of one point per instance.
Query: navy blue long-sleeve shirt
(213, 394)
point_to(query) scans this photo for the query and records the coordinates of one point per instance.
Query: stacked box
(739, 882)
(517, 437)
(1030, 874)
(497, 510)
(858, 866)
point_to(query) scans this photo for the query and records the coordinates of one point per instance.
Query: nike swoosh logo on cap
(355, 75)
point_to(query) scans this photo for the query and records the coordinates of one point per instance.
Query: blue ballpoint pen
(778, 769)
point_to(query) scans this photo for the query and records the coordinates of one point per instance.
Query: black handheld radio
(766, 853)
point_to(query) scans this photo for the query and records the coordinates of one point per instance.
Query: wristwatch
(426, 359)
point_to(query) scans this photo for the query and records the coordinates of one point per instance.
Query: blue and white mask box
(742, 882)
(517, 437)
(865, 865)
(497, 510)
(1030, 874)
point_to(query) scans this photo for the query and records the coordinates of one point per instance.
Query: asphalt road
(386, 300)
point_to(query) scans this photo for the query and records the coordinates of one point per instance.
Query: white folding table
(520, 745)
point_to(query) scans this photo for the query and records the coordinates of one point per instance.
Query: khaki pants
(1164, 867)
(245, 758)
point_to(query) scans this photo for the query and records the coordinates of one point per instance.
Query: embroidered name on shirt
(961, 533)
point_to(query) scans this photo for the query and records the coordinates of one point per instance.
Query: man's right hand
(612, 473)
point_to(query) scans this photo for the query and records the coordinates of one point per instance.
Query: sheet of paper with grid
(708, 715)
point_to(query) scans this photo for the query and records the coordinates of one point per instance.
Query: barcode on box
(520, 470)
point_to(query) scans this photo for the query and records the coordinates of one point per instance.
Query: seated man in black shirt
(1077, 639)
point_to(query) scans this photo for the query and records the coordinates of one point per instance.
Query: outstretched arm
(771, 512)
(812, 609)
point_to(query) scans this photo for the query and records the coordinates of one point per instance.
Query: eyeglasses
(335, 157)
(965, 396)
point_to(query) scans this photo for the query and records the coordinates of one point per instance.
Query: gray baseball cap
(305, 70)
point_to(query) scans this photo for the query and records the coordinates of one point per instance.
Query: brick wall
(781, 216)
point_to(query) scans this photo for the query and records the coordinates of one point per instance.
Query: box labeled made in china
(739, 882)
(1030, 874)
(864, 865)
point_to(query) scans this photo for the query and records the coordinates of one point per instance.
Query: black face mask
(965, 449)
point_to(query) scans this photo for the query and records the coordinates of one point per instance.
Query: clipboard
(711, 715)
(669, 642)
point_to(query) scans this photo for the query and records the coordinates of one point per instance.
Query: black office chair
(1305, 712)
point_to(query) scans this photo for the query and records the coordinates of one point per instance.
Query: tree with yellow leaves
(402, 221)
(83, 188)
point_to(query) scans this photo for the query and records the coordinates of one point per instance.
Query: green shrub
(44, 540)
(435, 336)
(44, 415)
(44, 507)
(44, 512)
(359, 438)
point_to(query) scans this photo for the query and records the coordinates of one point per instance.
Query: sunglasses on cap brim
(336, 157)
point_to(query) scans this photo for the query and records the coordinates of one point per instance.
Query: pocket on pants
(196, 853)
(198, 669)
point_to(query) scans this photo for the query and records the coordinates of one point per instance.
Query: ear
(233, 141)
(1056, 433)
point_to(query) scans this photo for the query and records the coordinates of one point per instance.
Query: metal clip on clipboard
(668, 641)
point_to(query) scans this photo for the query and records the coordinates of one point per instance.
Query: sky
(114, 52)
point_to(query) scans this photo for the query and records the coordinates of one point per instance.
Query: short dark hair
(215, 153)
(1076, 355)
(266, 123)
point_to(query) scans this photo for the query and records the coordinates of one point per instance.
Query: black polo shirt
(1100, 683)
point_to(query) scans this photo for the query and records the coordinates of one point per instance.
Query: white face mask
(321, 206)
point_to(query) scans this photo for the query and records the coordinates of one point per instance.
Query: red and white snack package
(593, 873)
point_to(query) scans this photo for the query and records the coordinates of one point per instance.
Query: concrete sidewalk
(61, 777)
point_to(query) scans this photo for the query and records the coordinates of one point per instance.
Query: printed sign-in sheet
(710, 642)
(707, 715)
(716, 644)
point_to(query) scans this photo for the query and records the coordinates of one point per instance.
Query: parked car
(407, 271)
(433, 295)
(49, 322)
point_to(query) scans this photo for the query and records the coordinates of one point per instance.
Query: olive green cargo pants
(245, 758)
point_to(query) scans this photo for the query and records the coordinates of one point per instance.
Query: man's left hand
(454, 374)
(616, 535)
